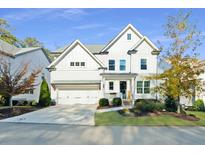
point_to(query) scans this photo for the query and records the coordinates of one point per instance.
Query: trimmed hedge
(103, 102)
(117, 101)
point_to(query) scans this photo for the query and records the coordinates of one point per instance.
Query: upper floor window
(72, 63)
(82, 63)
(77, 63)
(143, 64)
(129, 36)
(111, 86)
(122, 65)
(112, 65)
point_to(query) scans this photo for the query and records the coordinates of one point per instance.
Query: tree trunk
(10, 102)
(178, 105)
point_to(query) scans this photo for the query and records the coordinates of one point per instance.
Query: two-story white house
(84, 73)
(35, 57)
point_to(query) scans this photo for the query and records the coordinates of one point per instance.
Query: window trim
(77, 63)
(143, 87)
(146, 87)
(110, 65)
(122, 65)
(111, 85)
(82, 63)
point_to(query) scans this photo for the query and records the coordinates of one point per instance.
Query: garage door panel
(78, 96)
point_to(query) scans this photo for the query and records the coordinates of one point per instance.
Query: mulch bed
(153, 114)
(106, 107)
(15, 111)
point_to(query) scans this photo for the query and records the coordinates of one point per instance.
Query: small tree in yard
(17, 81)
(182, 77)
(45, 98)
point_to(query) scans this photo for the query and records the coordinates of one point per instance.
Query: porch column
(103, 87)
(57, 96)
(133, 90)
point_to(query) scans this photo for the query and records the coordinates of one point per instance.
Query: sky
(59, 27)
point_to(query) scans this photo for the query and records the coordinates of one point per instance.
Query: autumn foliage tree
(17, 81)
(182, 76)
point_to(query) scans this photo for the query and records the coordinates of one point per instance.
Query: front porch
(119, 85)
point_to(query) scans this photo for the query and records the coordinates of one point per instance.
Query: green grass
(114, 118)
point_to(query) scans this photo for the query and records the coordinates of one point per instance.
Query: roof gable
(68, 49)
(129, 26)
(144, 38)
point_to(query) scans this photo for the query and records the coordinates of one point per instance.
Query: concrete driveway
(78, 114)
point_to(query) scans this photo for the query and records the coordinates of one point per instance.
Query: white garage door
(78, 96)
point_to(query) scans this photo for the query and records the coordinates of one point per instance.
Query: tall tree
(5, 33)
(18, 81)
(31, 42)
(185, 67)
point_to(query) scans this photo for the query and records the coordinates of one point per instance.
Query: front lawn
(7, 112)
(115, 118)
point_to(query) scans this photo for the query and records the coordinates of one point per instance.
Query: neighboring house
(84, 73)
(35, 56)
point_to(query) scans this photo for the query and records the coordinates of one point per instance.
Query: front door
(123, 88)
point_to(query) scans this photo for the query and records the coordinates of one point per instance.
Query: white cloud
(27, 14)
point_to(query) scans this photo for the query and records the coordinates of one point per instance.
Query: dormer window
(77, 64)
(82, 63)
(72, 63)
(129, 36)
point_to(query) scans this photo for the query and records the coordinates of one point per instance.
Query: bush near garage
(45, 98)
(117, 101)
(103, 102)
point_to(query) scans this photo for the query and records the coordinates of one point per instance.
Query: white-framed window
(111, 85)
(82, 63)
(129, 36)
(122, 65)
(143, 87)
(139, 87)
(112, 64)
(77, 63)
(72, 64)
(143, 64)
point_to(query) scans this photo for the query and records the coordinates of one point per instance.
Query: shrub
(147, 101)
(53, 102)
(145, 106)
(159, 106)
(199, 105)
(117, 101)
(170, 104)
(103, 102)
(44, 99)
(33, 103)
(190, 108)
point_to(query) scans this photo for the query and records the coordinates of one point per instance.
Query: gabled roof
(144, 38)
(129, 26)
(69, 48)
(12, 51)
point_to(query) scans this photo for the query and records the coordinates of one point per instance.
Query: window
(122, 65)
(29, 91)
(146, 87)
(112, 65)
(77, 64)
(82, 63)
(111, 86)
(139, 87)
(72, 63)
(129, 36)
(143, 64)
(143, 87)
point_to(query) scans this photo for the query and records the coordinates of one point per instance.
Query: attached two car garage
(87, 93)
